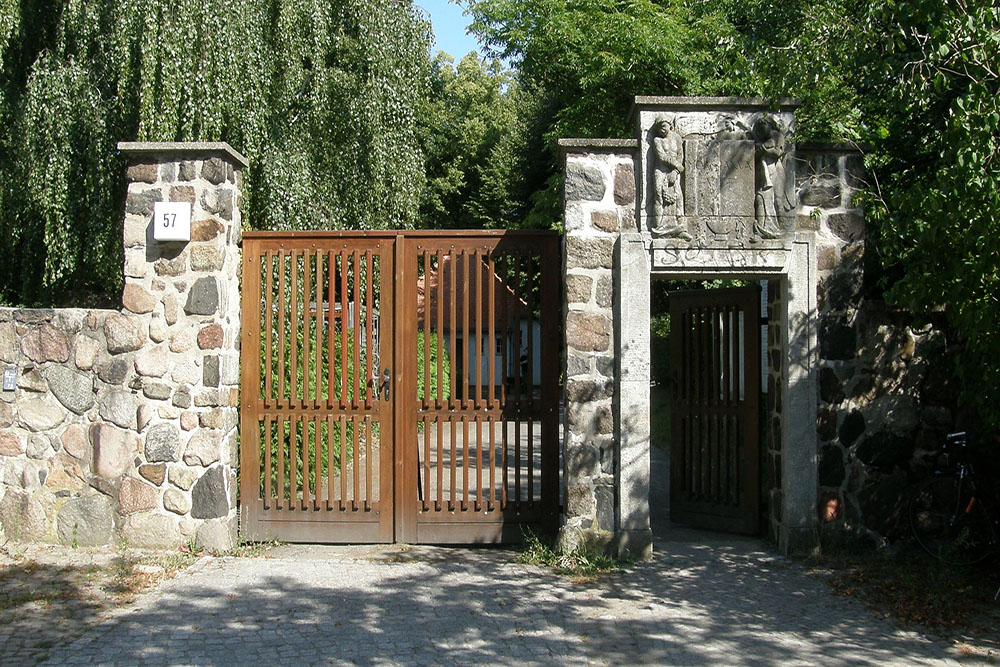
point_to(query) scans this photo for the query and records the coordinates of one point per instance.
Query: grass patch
(581, 565)
(248, 549)
(130, 573)
(917, 590)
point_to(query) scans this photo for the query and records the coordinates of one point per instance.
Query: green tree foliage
(467, 123)
(935, 136)
(320, 96)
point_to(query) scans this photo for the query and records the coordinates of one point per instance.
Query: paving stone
(702, 599)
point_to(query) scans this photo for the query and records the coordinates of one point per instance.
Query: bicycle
(952, 514)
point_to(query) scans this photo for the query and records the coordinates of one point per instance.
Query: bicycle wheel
(949, 522)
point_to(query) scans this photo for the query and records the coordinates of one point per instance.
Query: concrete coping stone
(675, 103)
(597, 145)
(182, 147)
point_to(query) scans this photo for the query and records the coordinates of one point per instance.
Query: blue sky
(449, 27)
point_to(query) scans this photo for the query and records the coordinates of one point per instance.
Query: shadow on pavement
(703, 599)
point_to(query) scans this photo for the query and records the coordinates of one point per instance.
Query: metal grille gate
(399, 386)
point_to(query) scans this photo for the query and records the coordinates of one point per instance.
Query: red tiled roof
(509, 307)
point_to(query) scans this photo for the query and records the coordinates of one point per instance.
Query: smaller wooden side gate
(715, 450)
(400, 386)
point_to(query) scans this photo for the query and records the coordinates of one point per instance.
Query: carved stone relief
(719, 178)
(772, 199)
(668, 192)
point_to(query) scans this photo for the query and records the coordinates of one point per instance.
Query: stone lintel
(737, 261)
(176, 149)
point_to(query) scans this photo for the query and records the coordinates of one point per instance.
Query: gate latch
(386, 378)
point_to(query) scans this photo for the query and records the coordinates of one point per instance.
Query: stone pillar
(634, 536)
(798, 416)
(182, 310)
(599, 201)
(123, 423)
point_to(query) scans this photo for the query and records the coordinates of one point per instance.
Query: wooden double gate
(399, 386)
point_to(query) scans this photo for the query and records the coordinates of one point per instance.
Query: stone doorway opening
(711, 381)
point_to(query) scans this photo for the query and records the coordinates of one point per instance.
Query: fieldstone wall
(885, 399)
(771, 491)
(599, 195)
(124, 423)
(883, 414)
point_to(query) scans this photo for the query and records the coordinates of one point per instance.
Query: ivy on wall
(319, 96)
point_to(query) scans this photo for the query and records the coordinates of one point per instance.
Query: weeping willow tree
(320, 95)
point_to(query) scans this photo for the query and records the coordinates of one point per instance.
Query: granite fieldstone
(209, 497)
(163, 443)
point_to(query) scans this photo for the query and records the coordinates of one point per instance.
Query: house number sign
(172, 221)
(9, 379)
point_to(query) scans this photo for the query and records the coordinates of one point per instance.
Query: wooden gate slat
(530, 379)
(516, 360)
(268, 315)
(306, 327)
(294, 331)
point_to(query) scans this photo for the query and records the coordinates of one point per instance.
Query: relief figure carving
(668, 192)
(771, 198)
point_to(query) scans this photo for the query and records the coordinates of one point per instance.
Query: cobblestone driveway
(702, 600)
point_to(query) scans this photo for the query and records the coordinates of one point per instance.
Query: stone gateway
(714, 183)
